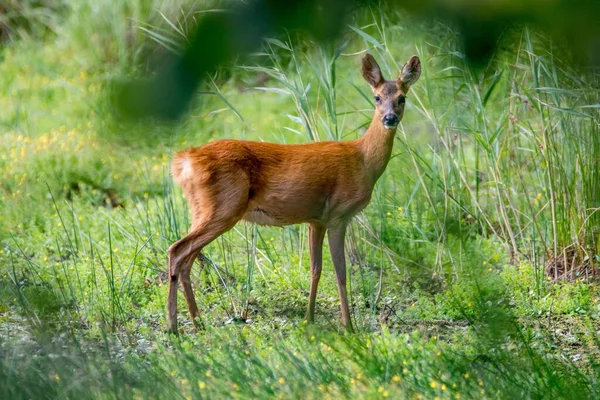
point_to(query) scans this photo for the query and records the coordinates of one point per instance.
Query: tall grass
(514, 149)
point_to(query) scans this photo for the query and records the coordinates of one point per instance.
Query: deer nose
(390, 121)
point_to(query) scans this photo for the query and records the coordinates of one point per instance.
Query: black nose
(390, 120)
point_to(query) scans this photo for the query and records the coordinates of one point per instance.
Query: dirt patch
(573, 263)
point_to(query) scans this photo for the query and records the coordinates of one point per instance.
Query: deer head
(390, 96)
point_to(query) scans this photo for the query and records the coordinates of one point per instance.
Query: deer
(323, 184)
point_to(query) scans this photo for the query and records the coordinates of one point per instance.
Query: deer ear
(371, 72)
(410, 73)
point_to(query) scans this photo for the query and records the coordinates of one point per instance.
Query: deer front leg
(316, 234)
(336, 246)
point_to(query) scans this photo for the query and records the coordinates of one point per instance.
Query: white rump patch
(186, 167)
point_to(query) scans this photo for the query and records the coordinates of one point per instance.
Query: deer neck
(376, 147)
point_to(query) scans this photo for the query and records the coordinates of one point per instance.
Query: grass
(471, 270)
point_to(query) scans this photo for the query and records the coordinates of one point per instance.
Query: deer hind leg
(184, 277)
(316, 234)
(336, 244)
(181, 256)
(225, 209)
(184, 280)
(186, 284)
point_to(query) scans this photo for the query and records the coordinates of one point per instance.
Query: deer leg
(172, 299)
(181, 256)
(184, 280)
(316, 234)
(336, 245)
(186, 269)
(180, 265)
(232, 199)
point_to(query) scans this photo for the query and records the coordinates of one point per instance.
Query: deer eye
(401, 100)
(377, 99)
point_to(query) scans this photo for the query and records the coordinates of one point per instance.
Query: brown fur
(323, 184)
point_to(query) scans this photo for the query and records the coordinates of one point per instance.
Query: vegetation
(472, 271)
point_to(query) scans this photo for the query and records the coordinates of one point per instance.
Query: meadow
(472, 273)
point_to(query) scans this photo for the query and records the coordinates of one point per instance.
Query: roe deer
(323, 184)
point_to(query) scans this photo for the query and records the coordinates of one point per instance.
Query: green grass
(494, 177)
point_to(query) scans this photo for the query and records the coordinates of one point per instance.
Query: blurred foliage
(239, 29)
(21, 18)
